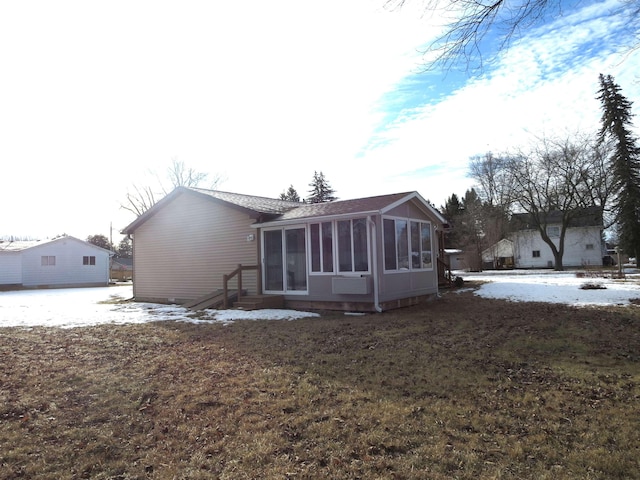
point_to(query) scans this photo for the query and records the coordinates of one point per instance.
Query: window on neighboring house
(351, 244)
(553, 231)
(407, 244)
(536, 254)
(89, 260)
(48, 260)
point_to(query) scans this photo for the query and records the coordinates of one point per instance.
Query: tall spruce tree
(624, 163)
(321, 191)
(453, 211)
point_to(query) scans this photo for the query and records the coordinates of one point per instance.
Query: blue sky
(96, 97)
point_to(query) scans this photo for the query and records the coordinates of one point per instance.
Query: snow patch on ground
(556, 287)
(79, 307)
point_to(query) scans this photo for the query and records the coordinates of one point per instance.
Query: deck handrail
(238, 271)
(443, 270)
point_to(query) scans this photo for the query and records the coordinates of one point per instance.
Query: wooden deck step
(211, 300)
(255, 302)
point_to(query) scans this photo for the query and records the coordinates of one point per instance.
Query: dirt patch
(463, 387)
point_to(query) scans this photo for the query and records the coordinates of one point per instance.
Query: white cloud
(263, 93)
(544, 85)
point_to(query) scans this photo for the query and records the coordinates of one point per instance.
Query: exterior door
(295, 242)
(285, 258)
(273, 261)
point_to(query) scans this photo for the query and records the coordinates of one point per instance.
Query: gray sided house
(63, 262)
(368, 254)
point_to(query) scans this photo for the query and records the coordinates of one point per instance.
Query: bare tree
(474, 20)
(139, 199)
(555, 181)
(495, 186)
(558, 181)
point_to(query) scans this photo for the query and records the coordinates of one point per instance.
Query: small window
(48, 260)
(89, 260)
(589, 246)
(536, 254)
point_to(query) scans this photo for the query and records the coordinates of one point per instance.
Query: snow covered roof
(9, 246)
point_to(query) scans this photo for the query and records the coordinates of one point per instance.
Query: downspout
(374, 250)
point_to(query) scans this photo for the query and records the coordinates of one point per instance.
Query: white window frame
(285, 285)
(335, 248)
(410, 247)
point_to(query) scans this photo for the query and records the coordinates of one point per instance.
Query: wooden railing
(444, 272)
(238, 271)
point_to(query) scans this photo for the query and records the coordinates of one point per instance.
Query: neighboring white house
(455, 259)
(63, 262)
(583, 243)
(499, 255)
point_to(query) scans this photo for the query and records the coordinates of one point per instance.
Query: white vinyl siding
(10, 268)
(183, 250)
(577, 252)
(59, 263)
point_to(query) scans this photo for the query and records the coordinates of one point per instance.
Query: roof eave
(321, 218)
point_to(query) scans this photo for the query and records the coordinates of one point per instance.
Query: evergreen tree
(125, 249)
(452, 211)
(321, 191)
(624, 163)
(291, 195)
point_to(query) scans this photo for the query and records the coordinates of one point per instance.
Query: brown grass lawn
(463, 387)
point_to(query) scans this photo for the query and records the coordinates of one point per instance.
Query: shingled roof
(585, 217)
(265, 209)
(343, 207)
(250, 202)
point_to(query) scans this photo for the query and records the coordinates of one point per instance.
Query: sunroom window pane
(389, 227)
(403, 244)
(427, 261)
(415, 245)
(327, 247)
(360, 258)
(344, 246)
(315, 247)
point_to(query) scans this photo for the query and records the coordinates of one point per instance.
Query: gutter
(374, 249)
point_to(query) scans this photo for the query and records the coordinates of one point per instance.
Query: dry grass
(462, 388)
